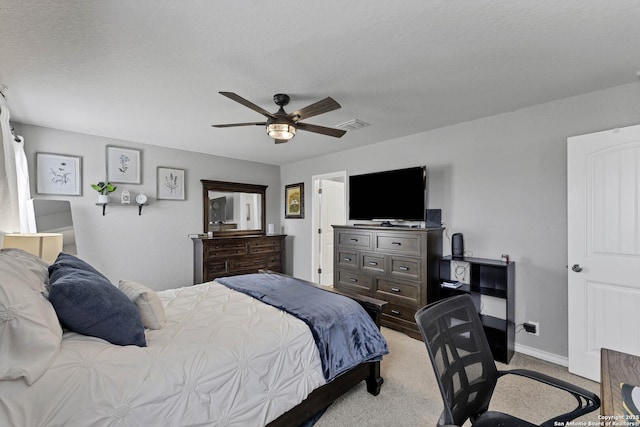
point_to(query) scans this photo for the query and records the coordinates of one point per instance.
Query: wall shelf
(104, 206)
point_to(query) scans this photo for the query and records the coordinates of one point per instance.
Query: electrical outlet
(532, 327)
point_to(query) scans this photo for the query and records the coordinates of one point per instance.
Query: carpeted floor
(410, 396)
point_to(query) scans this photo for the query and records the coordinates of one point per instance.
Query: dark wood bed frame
(323, 396)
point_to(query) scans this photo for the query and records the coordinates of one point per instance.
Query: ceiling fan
(282, 126)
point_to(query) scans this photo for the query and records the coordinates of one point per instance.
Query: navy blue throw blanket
(344, 333)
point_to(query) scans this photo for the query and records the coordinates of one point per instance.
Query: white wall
(501, 181)
(153, 248)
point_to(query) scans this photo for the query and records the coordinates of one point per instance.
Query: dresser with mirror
(234, 239)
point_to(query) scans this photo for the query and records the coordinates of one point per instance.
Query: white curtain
(14, 176)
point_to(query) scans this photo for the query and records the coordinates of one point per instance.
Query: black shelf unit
(491, 278)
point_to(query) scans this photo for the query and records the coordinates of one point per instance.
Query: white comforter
(222, 359)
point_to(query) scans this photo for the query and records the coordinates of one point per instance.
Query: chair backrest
(460, 356)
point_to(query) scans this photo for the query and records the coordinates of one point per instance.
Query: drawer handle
(354, 240)
(395, 289)
(396, 243)
(353, 279)
(396, 312)
(346, 259)
(373, 263)
(403, 268)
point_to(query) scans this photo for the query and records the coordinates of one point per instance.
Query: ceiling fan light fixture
(281, 131)
(282, 126)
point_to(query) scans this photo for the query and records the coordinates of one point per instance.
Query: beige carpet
(410, 396)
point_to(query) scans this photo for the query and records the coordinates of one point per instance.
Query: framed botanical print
(170, 183)
(123, 165)
(58, 174)
(294, 200)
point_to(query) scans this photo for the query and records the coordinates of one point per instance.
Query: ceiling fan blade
(247, 103)
(321, 129)
(230, 125)
(320, 107)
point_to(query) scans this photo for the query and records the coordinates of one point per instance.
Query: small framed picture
(294, 200)
(123, 165)
(125, 197)
(170, 183)
(58, 174)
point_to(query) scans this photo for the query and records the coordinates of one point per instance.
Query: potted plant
(104, 188)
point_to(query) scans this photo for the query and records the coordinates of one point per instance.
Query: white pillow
(30, 333)
(147, 301)
(26, 261)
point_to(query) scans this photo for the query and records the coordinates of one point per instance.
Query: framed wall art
(170, 183)
(58, 174)
(123, 165)
(294, 200)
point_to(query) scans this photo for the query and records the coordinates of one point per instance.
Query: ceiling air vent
(353, 124)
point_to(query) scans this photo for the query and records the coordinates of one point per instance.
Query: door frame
(315, 216)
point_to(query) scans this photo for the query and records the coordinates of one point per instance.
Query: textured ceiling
(150, 70)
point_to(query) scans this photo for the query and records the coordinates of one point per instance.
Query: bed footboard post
(374, 381)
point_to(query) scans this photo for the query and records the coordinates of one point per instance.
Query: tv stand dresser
(397, 265)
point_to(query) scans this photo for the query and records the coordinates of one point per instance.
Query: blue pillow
(87, 303)
(65, 260)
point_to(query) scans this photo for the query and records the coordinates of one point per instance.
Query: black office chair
(466, 373)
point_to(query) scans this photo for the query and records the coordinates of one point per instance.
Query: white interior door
(603, 246)
(333, 212)
(329, 208)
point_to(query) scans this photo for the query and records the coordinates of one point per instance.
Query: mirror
(53, 216)
(231, 208)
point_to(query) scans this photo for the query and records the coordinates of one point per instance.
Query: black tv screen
(389, 195)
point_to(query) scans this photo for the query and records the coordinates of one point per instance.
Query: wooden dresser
(228, 256)
(393, 264)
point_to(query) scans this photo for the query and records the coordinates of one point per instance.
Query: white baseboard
(543, 355)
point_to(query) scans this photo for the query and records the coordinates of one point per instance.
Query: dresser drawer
(399, 243)
(224, 248)
(247, 263)
(395, 291)
(274, 262)
(400, 312)
(373, 263)
(407, 268)
(347, 259)
(354, 239)
(354, 281)
(261, 246)
(214, 269)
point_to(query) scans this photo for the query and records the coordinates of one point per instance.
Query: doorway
(329, 208)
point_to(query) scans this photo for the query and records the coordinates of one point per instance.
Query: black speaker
(457, 246)
(432, 218)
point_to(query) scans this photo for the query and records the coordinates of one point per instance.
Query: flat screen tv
(395, 195)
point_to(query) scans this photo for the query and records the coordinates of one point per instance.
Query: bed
(209, 355)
